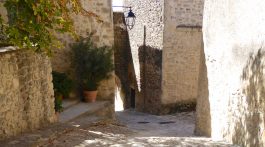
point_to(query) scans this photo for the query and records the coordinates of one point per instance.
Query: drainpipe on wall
(144, 47)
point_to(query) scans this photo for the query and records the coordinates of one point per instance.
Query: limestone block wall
(234, 53)
(183, 12)
(103, 35)
(181, 64)
(26, 92)
(181, 53)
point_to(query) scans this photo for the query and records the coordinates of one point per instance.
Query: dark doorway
(132, 98)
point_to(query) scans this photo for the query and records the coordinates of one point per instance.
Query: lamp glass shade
(130, 20)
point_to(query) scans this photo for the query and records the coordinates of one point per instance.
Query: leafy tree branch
(32, 23)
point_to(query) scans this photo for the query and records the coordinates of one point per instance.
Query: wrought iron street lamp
(129, 18)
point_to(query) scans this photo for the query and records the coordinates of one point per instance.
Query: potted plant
(93, 64)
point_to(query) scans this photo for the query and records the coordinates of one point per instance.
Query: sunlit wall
(234, 36)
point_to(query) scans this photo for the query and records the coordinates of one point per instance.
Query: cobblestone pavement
(136, 130)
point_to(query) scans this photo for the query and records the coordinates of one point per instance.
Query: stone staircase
(75, 109)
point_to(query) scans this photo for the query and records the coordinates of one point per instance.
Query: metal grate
(167, 122)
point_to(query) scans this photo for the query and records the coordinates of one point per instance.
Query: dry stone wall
(26, 92)
(234, 53)
(103, 35)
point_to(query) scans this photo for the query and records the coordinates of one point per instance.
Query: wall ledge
(189, 26)
(8, 49)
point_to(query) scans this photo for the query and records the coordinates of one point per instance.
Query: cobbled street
(137, 130)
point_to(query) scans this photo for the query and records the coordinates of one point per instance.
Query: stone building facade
(146, 40)
(103, 34)
(26, 92)
(149, 14)
(181, 51)
(168, 30)
(232, 104)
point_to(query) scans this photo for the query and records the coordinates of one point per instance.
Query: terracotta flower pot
(90, 96)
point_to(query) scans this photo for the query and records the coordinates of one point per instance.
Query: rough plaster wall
(234, 51)
(148, 13)
(103, 35)
(181, 53)
(26, 92)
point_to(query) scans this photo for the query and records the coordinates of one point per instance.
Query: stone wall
(173, 26)
(149, 13)
(181, 53)
(26, 92)
(203, 116)
(183, 12)
(147, 32)
(103, 35)
(123, 59)
(149, 99)
(181, 64)
(234, 53)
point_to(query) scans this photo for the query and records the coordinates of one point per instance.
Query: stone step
(67, 103)
(103, 108)
(76, 116)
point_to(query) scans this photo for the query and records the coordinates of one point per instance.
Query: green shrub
(32, 23)
(62, 84)
(58, 103)
(93, 64)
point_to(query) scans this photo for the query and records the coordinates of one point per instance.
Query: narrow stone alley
(130, 129)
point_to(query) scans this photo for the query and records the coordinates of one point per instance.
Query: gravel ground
(135, 129)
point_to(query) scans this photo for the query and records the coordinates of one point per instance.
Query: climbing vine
(32, 23)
